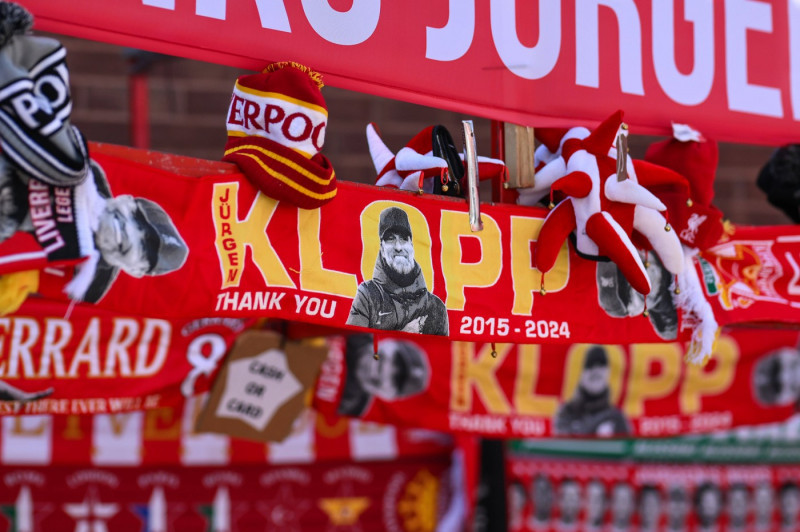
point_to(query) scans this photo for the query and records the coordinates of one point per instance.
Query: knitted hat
(166, 251)
(276, 128)
(697, 222)
(35, 104)
(692, 156)
(595, 356)
(394, 219)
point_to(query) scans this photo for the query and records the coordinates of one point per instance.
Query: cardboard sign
(259, 391)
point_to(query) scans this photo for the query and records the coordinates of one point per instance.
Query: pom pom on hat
(37, 136)
(14, 20)
(276, 128)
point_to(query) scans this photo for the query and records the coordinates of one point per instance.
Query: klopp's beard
(400, 263)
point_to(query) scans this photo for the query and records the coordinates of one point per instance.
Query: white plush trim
(629, 191)
(390, 179)
(529, 196)
(577, 132)
(409, 160)
(623, 237)
(411, 182)
(685, 133)
(543, 155)
(381, 155)
(666, 243)
(549, 174)
(697, 313)
(84, 275)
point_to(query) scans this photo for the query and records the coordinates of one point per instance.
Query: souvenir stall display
(736, 480)
(167, 322)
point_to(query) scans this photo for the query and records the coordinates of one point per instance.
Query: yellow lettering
(251, 231)
(712, 379)
(459, 275)
(642, 383)
(525, 278)
(370, 241)
(471, 371)
(313, 275)
(118, 422)
(22, 426)
(326, 430)
(526, 400)
(72, 427)
(161, 424)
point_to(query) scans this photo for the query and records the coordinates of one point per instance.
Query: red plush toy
(607, 205)
(697, 222)
(427, 157)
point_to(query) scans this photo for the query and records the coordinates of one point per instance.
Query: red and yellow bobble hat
(276, 128)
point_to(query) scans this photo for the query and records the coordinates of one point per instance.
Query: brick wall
(188, 101)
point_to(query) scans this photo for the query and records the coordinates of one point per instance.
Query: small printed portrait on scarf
(776, 378)
(397, 297)
(590, 412)
(618, 298)
(400, 371)
(130, 234)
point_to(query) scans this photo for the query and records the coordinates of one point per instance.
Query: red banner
(249, 255)
(84, 360)
(556, 495)
(751, 276)
(402, 496)
(166, 437)
(549, 63)
(525, 391)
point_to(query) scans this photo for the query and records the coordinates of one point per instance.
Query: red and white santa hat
(691, 155)
(276, 128)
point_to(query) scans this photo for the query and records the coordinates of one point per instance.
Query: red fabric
(251, 155)
(249, 257)
(560, 82)
(276, 128)
(532, 391)
(630, 481)
(307, 497)
(696, 161)
(550, 137)
(100, 362)
(166, 437)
